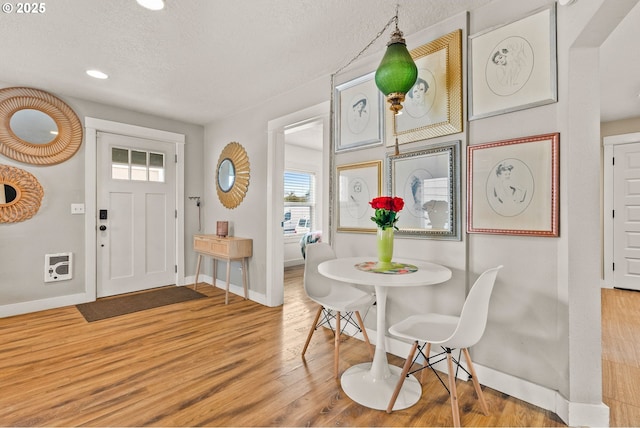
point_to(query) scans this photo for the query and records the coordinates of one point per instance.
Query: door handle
(103, 227)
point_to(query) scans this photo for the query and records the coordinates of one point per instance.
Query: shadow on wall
(446, 298)
(536, 345)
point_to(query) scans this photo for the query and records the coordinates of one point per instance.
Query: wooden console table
(228, 249)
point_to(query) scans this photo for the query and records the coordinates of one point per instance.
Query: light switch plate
(77, 208)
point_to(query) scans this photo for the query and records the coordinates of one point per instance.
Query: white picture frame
(359, 120)
(513, 67)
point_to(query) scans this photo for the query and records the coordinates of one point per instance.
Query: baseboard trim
(233, 288)
(43, 304)
(571, 413)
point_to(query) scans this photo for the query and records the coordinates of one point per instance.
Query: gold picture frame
(358, 184)
(62, 145)
(26, 194)
(436, 108)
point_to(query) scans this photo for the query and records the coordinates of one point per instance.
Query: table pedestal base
(359, 384)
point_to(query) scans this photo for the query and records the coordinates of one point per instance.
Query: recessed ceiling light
(97, 74)
(152, 4)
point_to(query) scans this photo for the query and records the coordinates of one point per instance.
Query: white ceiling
(200, 60)
(197, 60)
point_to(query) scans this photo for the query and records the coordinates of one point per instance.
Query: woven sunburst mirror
(20, 194)
(232, 175)
(28, 106)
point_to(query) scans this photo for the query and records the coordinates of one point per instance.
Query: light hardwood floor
(621, 356)
(201, 363)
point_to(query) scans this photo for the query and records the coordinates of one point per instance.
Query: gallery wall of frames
(511, 186)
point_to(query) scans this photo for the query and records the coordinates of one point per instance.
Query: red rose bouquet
(386, 209)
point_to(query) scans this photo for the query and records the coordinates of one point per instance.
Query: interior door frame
(92, 127)
(275, 193)
(608, 249)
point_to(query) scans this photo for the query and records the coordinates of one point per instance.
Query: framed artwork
(433, 106)
(358, 184)
(358, 114)
(513, 67)
(513, 186)
(428, 181)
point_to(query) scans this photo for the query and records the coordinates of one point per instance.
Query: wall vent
(58, 267)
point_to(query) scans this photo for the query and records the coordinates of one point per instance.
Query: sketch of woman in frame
(420, 97)
(431, 108)
(509, 66)
(510, 187)
(414, 189)
(358, 113)
(358, 197)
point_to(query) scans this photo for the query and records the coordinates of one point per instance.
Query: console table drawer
(226, 248)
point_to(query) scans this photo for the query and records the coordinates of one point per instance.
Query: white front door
(136, 214)
(626, 219)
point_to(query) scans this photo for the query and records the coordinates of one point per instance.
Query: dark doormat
(127, 304)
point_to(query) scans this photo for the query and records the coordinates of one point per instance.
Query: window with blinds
(299, 202)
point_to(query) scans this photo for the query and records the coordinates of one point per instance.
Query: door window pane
(119, 164)
(156, 167)
(137, 165)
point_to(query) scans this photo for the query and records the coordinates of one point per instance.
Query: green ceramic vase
(385, 245)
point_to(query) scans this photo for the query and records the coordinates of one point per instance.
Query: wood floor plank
(204, 363)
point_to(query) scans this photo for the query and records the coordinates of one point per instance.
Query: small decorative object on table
(386, 210)
(222, 229)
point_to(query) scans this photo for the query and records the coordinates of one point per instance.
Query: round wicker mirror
(20, 194)
(18, 105)
(232, 175)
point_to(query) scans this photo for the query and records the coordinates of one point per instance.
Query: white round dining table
(372, 384)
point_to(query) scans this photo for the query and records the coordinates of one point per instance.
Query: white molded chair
(449, 332)
(341, 298)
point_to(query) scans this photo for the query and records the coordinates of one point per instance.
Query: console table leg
(195, 285)
(244, 278)
(226, 297)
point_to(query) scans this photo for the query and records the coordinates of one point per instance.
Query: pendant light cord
(375, 39)
(331, 109)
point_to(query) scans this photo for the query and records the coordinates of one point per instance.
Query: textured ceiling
(200, 60)
(197, 60)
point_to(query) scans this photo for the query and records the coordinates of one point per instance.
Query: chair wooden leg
(313, 328)
(452, 390)
(426, 353)
(403, 375)
(364, 334)
(336, 352)
(476, 384)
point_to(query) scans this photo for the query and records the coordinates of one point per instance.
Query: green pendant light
(397, 72)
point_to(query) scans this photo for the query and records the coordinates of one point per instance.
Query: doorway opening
(303, 179)
(299, 143)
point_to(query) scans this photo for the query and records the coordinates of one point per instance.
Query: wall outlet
(77, 208)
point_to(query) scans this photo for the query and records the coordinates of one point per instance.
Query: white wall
(543, 338)
(53, 229)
